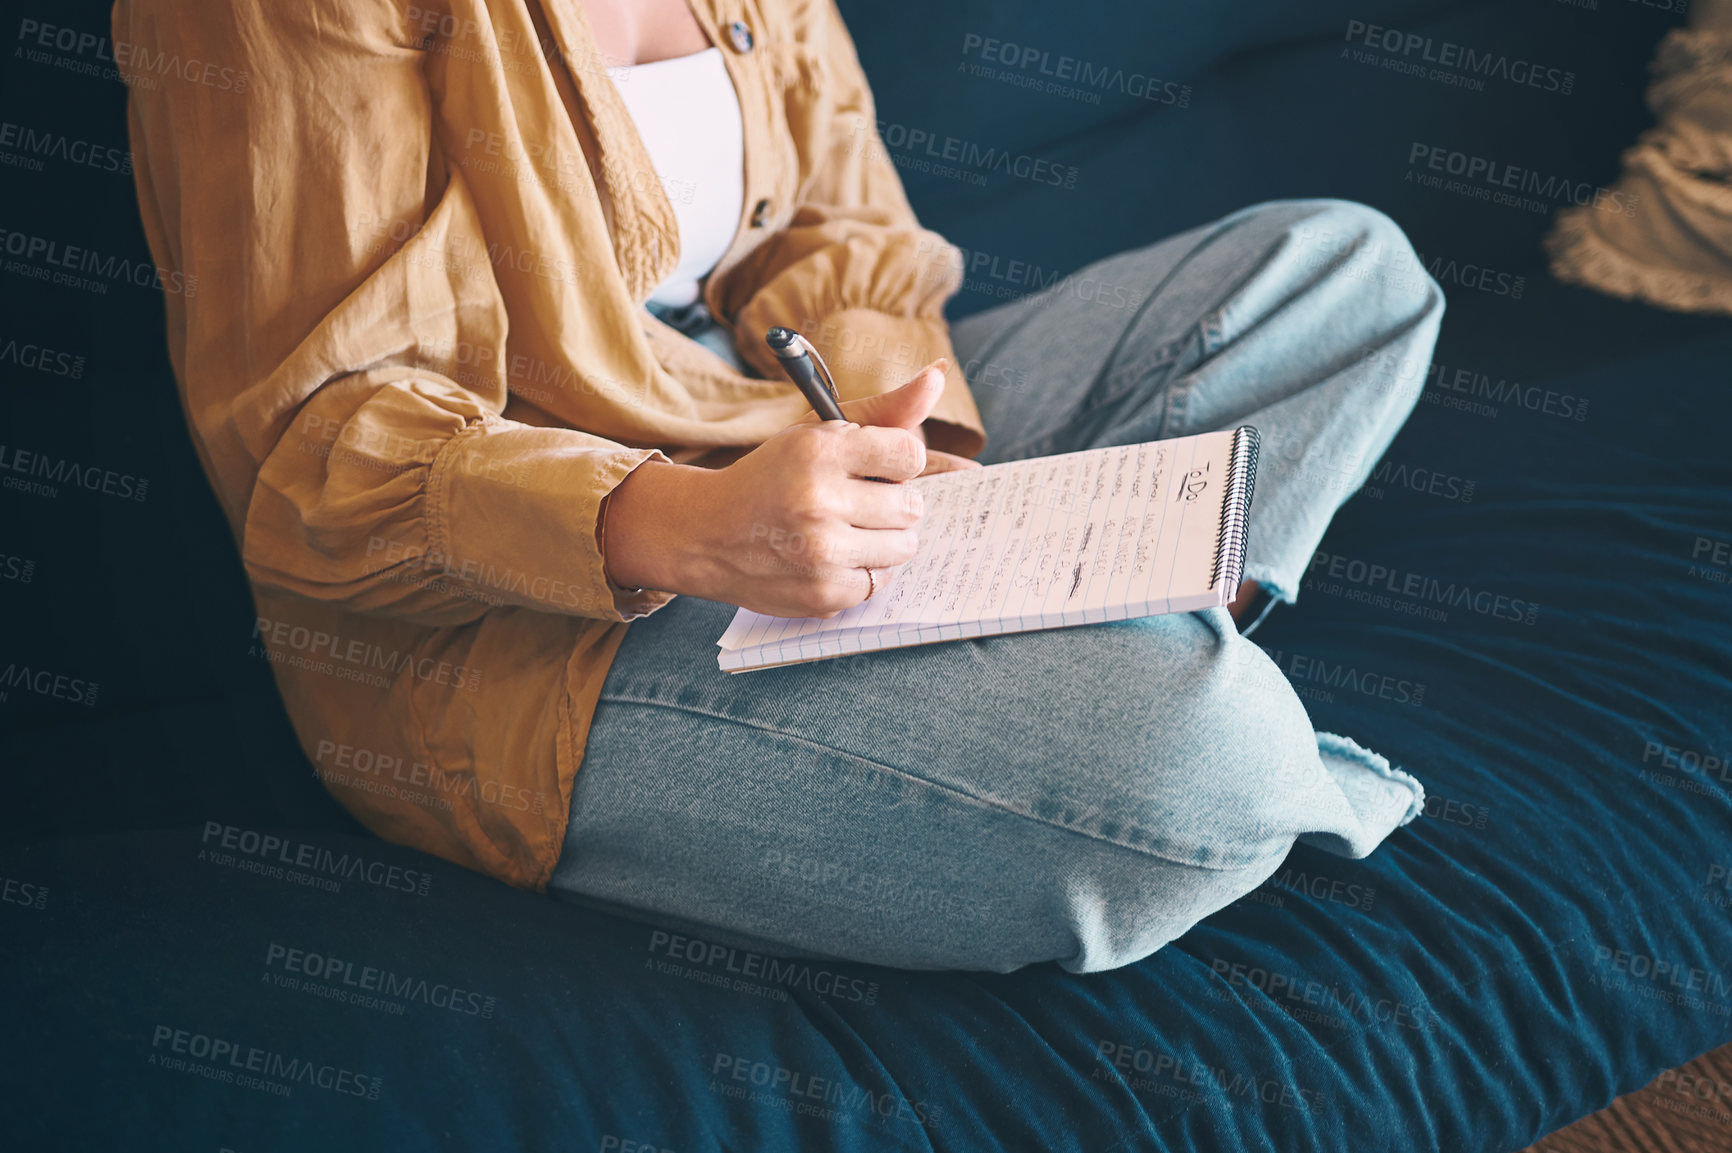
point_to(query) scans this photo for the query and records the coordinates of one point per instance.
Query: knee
(1083, 901)
(1193, 769)
(1134, 906)
(1369, 255)
(1207, 812)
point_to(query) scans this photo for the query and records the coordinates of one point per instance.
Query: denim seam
(1178, 406)
(1163, 360)
(1210, 235)
(984, 802)
(1116, 385)
(1213, 328)
(1039, 446)
(1210, 336)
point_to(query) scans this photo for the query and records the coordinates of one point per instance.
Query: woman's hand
(859, 412)
(790, 528)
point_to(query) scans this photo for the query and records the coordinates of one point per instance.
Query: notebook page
(968, 514)
(906, 593)
(1076, 538)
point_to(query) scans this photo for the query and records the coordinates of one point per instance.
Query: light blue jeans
(1079, 795)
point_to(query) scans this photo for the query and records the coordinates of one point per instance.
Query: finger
(882, 450)
(904, 406)
(854, 548)
(940, 461)
(871, 505)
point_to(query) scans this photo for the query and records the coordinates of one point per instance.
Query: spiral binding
(1236, 508)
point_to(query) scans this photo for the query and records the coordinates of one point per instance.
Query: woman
(460, 454)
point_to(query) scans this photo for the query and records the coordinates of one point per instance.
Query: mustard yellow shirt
(416, 359)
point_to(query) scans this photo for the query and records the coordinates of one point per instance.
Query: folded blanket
(1671, 244)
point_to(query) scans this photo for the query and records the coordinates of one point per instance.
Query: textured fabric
(1684, 1110)
(1080, 795)
(695, 321)
(1289, 1021)
(686, 114)
(1468, 987)
(413, 354)
(1663, 233)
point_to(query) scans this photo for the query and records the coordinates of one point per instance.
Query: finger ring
(871, 585)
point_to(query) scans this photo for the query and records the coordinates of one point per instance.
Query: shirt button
(741, 35)
(760, 214)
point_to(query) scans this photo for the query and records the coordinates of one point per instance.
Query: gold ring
(871, 585)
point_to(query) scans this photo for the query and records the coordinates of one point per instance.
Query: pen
(807, 370)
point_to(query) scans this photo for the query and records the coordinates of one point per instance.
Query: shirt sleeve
(852, 268)
(343, 358)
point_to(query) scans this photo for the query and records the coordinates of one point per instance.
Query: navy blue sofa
(199, 950)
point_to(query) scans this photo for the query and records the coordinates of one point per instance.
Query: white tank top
(688, 116)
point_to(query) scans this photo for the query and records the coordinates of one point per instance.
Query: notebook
(1078, 538)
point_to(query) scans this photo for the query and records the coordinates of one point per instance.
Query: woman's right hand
(790, 528)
